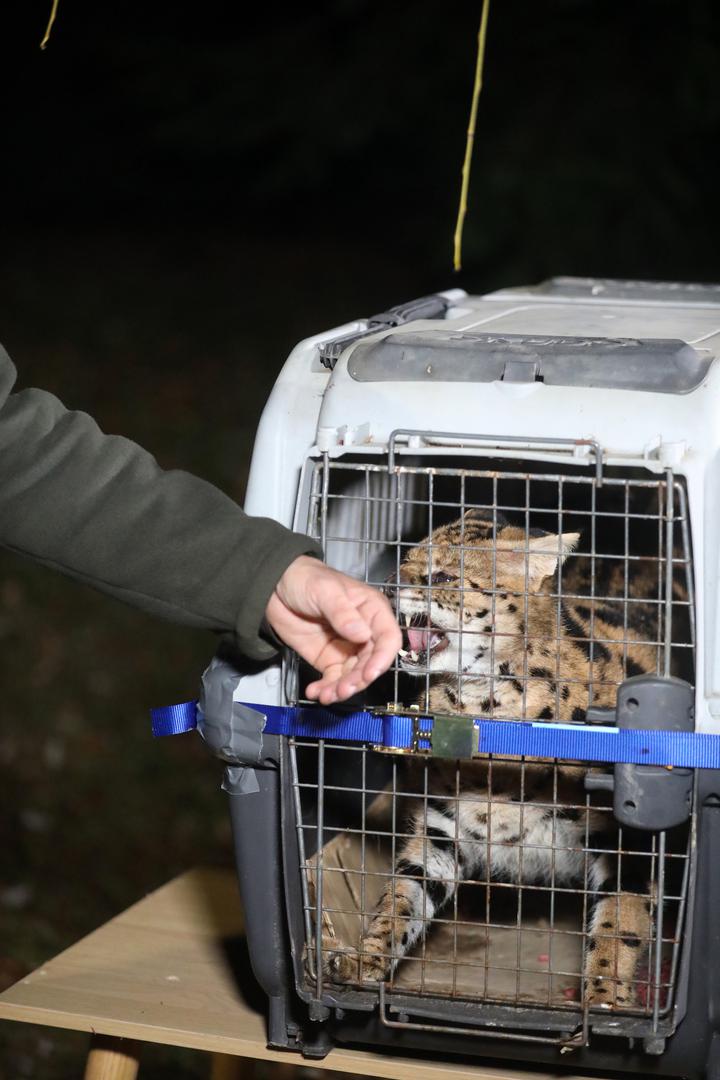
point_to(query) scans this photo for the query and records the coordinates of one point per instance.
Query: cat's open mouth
(421, 640)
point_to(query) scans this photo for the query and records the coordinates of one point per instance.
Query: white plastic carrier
(578, 406)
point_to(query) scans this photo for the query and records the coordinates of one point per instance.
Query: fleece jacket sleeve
(100, 509)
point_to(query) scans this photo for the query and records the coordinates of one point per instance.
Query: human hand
(346, 629)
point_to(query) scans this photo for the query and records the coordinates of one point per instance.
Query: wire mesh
(522, 594)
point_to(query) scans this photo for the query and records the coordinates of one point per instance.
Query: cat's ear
(484, 521)
(537, 559)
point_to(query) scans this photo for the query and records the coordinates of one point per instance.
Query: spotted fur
(496, 625)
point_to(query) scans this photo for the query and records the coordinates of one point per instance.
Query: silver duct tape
(239, 780)
(232, 730)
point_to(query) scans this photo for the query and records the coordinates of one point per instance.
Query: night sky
(597, 129)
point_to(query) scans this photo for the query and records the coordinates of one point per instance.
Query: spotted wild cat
(490, 633)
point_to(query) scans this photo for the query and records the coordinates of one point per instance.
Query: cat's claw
(344, 966)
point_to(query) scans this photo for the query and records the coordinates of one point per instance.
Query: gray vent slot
(665, 366)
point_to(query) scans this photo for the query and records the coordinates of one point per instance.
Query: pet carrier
(531, 475)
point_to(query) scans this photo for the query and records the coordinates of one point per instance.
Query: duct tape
(240, 780)
(233, 731)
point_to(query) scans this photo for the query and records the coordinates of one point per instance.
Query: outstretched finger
(345, 615)
(353, 680)
(322, 691)
(326, 690)
(386, 638)
(340, 681)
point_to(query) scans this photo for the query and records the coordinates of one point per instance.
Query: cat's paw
(609, 994)
(348, 966)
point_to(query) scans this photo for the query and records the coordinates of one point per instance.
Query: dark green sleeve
(99, 508)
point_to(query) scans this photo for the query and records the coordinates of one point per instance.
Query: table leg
(112, 1058)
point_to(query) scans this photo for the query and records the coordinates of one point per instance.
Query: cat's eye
(439, 577)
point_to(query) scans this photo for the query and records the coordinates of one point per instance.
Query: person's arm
(99, 508)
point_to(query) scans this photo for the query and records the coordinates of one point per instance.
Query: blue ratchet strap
(174, 719)
(569, 742)
(387, 730)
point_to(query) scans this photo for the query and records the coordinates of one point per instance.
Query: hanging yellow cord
(51, 20)
(482, 34)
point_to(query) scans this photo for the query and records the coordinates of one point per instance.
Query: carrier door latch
(652, 797)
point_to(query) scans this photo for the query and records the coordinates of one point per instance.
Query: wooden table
(169, 970)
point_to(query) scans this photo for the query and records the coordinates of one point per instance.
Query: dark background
(188, 189)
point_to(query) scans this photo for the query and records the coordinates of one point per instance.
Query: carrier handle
(425, 307)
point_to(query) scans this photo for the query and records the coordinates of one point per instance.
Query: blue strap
(312, 723)
(391, 731)
(174, 719)
(682, 749)
(568, 742)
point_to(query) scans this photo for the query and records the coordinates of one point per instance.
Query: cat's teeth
(403, 652)
(407, 618)
(414, 656)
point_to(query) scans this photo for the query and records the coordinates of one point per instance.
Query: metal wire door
(505, 919)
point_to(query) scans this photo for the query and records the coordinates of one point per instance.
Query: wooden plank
(163, 972)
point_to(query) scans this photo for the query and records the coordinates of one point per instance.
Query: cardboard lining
(507, 963)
